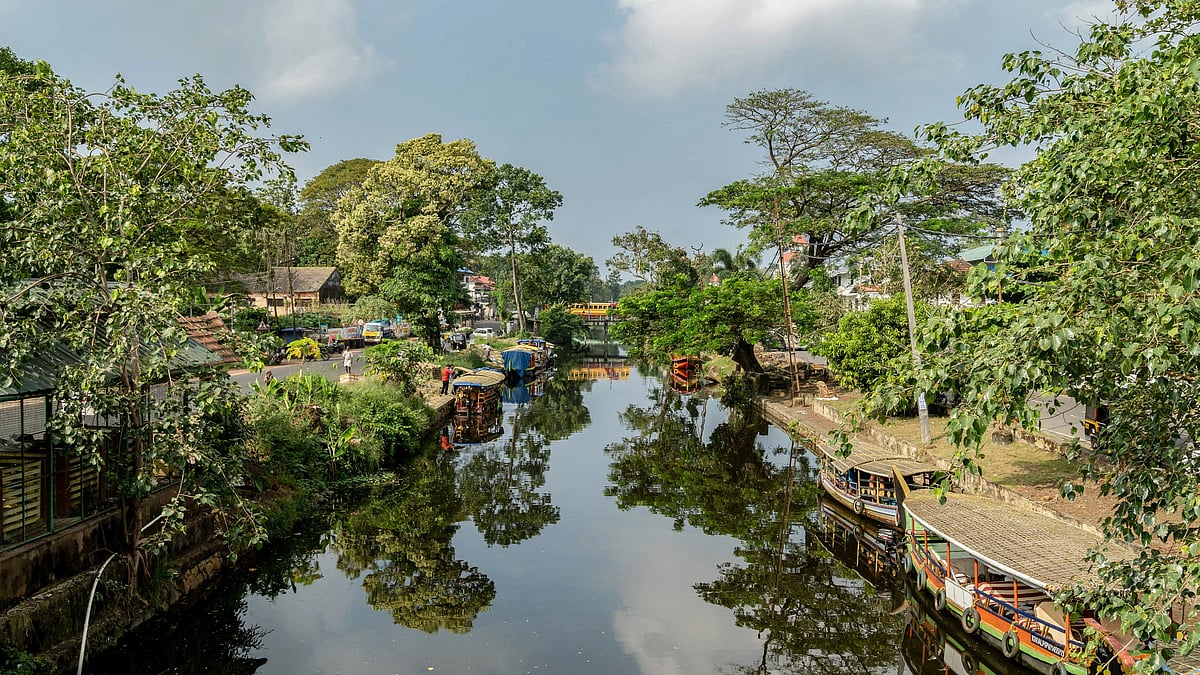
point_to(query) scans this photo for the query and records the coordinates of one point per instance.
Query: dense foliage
(117, 203)
(864, 345)
(396, 362)
(1109, 287)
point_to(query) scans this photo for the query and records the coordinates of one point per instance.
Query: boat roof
(484, 377)
(523, 347)
(1038, 549)
(877, 461)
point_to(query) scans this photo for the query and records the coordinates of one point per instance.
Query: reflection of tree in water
(399, 543)
(501, 483)
(813, 614)
(717, 487)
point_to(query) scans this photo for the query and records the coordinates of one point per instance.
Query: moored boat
(865, 482)
(685, 366)
(521, 360)
(996, 567)
(478, 391)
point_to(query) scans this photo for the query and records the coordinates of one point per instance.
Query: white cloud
(313, 48)
(664, 47)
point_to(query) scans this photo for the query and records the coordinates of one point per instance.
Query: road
(331, 369)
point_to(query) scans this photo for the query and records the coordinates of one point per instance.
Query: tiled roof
(210, 331)
(303, 279)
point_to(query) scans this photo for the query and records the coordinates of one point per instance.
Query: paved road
(331, 369)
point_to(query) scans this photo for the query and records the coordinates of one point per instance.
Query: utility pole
(922, 409)
(787, 305)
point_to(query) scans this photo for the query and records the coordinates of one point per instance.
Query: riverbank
(1021, 472)
(48, 624)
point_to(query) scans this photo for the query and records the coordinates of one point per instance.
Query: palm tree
(726, 264)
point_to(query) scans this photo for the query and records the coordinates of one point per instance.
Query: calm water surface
(596, 526)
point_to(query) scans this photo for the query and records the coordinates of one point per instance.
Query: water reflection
(718, 558)
(398, 543)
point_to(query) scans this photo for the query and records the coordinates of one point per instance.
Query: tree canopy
(398, 232)
(119, 202)
(1110, 288)
(821, 161)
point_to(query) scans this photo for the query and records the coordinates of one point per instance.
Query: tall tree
(120, 202)
(317, 240)
(508, 215)
(644, 255)
(398, 232)
(1111, 292)
(820, 160)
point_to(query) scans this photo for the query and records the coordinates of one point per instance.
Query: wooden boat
(864, 480)
(478, 391)
(996, 567)
(544, 348)
(685, 366)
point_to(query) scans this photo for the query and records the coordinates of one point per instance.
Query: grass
(1014, 464)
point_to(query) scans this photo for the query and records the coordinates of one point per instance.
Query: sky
(618, 104)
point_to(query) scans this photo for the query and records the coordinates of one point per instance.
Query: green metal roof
(39, 375)
(978, 254)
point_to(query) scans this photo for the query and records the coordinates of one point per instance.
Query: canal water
(603, 523)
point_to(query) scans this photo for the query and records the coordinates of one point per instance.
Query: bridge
(595, 313)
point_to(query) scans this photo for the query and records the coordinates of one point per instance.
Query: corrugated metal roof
(39, 375)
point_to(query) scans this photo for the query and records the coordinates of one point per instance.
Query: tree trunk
(743, 355)
(512, 258)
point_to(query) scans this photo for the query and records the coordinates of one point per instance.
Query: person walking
(348, 360)
(447, 371)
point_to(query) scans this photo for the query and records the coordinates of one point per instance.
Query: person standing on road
(348, 360)
(446, 372)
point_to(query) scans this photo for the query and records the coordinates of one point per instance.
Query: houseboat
(527, 357)
(685, 366)
(864, 480)
(996, 566)
(477, 392)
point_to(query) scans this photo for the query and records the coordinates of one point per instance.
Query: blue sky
(618, 104)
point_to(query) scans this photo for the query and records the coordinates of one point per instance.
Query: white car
(483, 333)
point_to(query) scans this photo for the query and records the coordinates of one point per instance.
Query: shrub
(395, 422)
(305, 349)
(396, 362)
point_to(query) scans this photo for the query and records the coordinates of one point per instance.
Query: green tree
(559, 275)
(120, 203)
(507, 215)
(316, 243)
(561, 327)
(1111, 315)
(649, 259)
(727, 318)
(821, 160)
(397, 361)
(866, 342)
(742, 261)
(398, 232)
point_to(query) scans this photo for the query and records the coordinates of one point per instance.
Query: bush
(395, 422)
(396, 362)
(468, 360)
(305, 349)
(561, 327)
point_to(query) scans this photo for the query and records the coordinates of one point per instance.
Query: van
(484, 333)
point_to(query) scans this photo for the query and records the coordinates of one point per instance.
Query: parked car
(484, 333)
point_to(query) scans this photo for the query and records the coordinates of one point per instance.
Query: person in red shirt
(446, 372)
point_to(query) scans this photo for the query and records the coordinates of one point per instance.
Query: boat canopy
(518, 358)
(875, 461)
(484, 377)
(1042, 551)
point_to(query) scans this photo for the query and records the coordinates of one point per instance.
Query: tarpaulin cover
(516, 359)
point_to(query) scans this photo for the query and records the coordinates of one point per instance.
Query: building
(284, 290)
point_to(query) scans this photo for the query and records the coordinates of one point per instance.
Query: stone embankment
(815, 419)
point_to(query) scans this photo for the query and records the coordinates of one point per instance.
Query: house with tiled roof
(284, 290)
